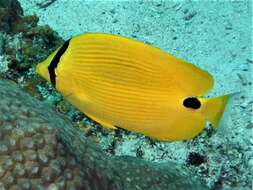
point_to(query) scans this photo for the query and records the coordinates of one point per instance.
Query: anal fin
(105, 124)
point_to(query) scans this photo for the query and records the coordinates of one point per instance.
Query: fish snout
(42, 70)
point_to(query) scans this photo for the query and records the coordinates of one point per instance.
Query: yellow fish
(121, 82)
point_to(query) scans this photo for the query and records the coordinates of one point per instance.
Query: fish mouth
(38, 68)
(42, 70)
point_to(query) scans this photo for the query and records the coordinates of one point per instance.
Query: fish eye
(192, 102)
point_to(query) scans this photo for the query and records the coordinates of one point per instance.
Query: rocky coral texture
(23, 43)
(32, 158)
(10, 11)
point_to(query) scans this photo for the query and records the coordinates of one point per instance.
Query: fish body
(121, 82)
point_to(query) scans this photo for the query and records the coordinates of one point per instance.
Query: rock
(190, 15)
(33, 157)
(23, 41)
(10, 11)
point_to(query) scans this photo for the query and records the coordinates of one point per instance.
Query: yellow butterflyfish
(121, 82)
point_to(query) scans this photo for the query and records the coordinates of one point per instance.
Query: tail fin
(215, 109)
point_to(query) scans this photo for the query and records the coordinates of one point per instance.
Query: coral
(23, 42)
(10, 11)
(28, 129)
(32, 158)
(3, 64)
(30, 46)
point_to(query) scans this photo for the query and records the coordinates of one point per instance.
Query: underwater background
(45, 143)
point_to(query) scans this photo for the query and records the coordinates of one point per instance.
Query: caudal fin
(215, 108)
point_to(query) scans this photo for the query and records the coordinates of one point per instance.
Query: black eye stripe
(192, 102)
(53, 64)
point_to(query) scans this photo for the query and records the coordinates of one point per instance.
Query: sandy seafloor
(215, 35)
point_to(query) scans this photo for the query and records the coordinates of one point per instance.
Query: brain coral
(39, 149)
(32, 158)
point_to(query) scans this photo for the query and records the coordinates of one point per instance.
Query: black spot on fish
(53, 65)
(192, 102)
